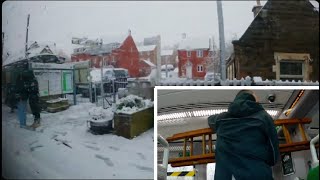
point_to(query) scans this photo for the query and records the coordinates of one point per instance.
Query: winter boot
(36, 123)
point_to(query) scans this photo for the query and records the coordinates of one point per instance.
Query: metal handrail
(315, 160)
(165, 144)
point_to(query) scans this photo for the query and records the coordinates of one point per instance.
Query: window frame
(201, 68)
(199, 55)
(302, 58)
(188, 53)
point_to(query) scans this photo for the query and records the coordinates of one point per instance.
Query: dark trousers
(34, 105)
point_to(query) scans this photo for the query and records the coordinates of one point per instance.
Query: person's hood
(244, 105)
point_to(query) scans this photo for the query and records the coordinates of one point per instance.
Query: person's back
(247, 143)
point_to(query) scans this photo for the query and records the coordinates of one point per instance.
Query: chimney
(256, 8)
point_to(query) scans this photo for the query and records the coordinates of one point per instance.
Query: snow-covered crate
(132, 125)
(56, 105)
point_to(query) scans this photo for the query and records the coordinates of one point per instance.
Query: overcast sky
(59, 21)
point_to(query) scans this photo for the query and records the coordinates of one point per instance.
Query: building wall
(126, 56)
(260, 61)
(286, 27)
(195, 61)
(152, 55)
(145, 69)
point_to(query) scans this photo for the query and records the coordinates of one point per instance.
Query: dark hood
(244, 105)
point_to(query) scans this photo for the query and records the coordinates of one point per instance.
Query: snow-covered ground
(63, 148)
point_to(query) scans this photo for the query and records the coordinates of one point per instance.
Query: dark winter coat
(11, 99)
(247, 144)
(22, 86)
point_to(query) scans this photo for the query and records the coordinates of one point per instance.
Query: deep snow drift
(63, 148)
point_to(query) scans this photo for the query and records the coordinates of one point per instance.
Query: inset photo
(237, 134)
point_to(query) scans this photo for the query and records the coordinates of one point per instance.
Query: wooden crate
(132, 125)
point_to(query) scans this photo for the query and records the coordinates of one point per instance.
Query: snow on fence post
(248, 81)
(242, 82)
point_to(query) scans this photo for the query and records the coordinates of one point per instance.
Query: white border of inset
(155, 102)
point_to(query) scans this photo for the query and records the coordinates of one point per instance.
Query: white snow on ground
(45, 153)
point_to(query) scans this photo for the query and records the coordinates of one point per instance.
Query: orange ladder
(208, 156)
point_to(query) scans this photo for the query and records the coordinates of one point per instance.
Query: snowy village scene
(79, 77)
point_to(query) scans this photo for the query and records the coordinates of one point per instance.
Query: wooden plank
(191, 146)
(303, 133)
(192, 158)
(286, 134)
(189, 163)
(210, 143)
(184, 147)
(203, 144)
(279, 122)
(189, 134)
(199, 132)
(210, 158)
(294, 144)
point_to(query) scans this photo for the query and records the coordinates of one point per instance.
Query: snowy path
(65, 149)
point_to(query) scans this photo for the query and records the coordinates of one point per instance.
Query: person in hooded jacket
(22, 96)
(33, 90)
(247, 143)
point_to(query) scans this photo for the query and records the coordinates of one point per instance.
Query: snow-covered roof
(102, 49)
(35, 49)
(146, 48)
(149, 63)
(194, 43)
(166, 52)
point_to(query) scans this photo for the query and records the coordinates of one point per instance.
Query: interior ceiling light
(202, 113)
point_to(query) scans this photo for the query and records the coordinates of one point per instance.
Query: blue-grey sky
(59, 21)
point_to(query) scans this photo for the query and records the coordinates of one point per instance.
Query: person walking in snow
(33, 90)
(247, 143)
(22, 97)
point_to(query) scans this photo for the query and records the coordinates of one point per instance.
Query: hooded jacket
(247, 142)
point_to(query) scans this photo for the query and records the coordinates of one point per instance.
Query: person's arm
(274, 142)
(213, 119)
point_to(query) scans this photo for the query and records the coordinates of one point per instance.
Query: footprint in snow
(92, 147)
(62, 133)
(143, 167)
(142, 156)
(35, 147)
(114, 148)
(105, 159)
(89, 142)
(33, 142)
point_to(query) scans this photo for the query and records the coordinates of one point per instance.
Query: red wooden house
(124, 55)
(193, 55)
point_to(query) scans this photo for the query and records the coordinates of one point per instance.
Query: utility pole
(26, 49)
(221, 40)
(158, 61)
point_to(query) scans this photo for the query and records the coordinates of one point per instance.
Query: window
(291, 66)
(291, 70)
(199, 53)
(200, 68)
(188, 53)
